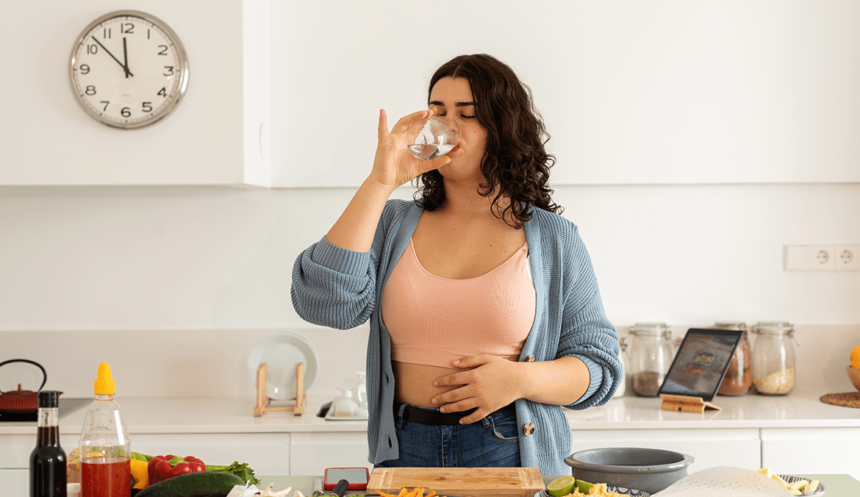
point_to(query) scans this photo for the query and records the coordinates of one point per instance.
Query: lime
(562, 485)
(583, 486)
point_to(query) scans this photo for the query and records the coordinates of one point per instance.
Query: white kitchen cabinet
(15, 481)
(15, 449)
(811, 450)
(265, 453)
(218, 135)
(312, 453)
(774, 102)
(709, 448)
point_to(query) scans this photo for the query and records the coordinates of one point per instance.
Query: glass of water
(435, 140)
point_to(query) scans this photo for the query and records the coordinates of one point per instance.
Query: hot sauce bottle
(48, 460)
(104, 444)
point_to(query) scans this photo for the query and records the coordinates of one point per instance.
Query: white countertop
(796, 410)
(232, 415)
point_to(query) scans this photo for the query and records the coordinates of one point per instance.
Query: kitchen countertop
(232, 415)
(834, 485)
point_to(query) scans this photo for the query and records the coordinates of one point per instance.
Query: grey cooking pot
(649, 470)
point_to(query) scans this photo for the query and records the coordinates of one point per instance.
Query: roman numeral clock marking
(128, 69)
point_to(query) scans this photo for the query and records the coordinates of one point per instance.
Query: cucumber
(193, 485)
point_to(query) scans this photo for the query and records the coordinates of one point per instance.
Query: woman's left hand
(489, 383)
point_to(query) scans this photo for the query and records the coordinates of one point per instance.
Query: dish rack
(263, 402)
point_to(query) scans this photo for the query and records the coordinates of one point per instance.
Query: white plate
(283, 351)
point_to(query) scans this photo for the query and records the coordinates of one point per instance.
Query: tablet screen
(701, 363)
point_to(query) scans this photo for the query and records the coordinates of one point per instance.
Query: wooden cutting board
(460, 482)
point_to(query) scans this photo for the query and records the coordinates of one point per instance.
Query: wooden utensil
(465, 482)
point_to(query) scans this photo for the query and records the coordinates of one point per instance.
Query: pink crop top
(434, 320)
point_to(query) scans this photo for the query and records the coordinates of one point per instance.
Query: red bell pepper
(161, 468)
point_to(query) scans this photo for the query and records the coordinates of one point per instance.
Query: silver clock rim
(183, 68)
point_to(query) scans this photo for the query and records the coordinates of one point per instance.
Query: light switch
(797, 257)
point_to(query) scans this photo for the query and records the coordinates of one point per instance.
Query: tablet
(701, 363)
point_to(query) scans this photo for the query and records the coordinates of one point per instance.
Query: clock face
(128, 69)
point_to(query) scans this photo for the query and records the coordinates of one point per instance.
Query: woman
(484, 309)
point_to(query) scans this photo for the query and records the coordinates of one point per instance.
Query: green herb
(243, 471)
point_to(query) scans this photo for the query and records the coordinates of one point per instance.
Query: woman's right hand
(394, 164)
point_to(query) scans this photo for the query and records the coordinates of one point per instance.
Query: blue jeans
(490, 442)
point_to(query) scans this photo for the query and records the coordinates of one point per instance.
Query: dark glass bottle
(48, 460)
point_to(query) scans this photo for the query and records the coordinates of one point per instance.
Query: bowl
(650, 470)
(854, 376)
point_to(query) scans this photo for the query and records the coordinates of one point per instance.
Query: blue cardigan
(342, 289)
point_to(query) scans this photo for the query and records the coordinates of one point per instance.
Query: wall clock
(128, 69)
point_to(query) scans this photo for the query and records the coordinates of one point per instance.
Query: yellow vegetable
(855, 357)
(140, 473)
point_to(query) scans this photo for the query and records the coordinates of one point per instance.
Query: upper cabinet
(663, 92)
(62, 80)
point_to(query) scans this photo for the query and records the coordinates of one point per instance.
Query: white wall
(140, 276)
(90, 273)
(663, 91)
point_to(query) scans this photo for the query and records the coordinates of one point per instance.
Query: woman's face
(453, 99)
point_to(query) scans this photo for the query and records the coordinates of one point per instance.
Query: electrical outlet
(846, 257)
(822, 257)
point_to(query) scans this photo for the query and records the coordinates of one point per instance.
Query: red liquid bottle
(104, 444)
(48, 460)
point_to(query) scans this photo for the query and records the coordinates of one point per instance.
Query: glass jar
(651, 356)
(625, 369)
(773, 358)
(738, 379)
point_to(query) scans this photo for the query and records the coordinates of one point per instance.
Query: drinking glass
(435, 140)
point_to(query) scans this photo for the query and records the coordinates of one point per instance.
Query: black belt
(432, 417)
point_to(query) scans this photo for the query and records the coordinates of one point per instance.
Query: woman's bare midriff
(414, 382)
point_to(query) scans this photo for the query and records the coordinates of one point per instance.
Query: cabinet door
(217, 136)
(312, 453)
(811, 450)
(15, 481)
(709, 448)
(265, 453)
(16, 449)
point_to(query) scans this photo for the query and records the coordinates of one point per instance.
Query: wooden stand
(263, 401)
(682, 403)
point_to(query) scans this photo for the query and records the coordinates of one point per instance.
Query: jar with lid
(738, 379)
(773, 358)
(625, 369)
(651, 356)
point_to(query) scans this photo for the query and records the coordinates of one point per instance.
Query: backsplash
(214, 363)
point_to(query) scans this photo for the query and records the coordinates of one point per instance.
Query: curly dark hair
(515, 163)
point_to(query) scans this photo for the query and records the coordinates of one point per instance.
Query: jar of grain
(651, 356)
(738, 377)
(773, 358)
(625, 369)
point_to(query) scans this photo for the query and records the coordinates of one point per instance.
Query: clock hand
(124, 68)
(125, 57)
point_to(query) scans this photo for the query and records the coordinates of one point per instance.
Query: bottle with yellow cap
(104, 445)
